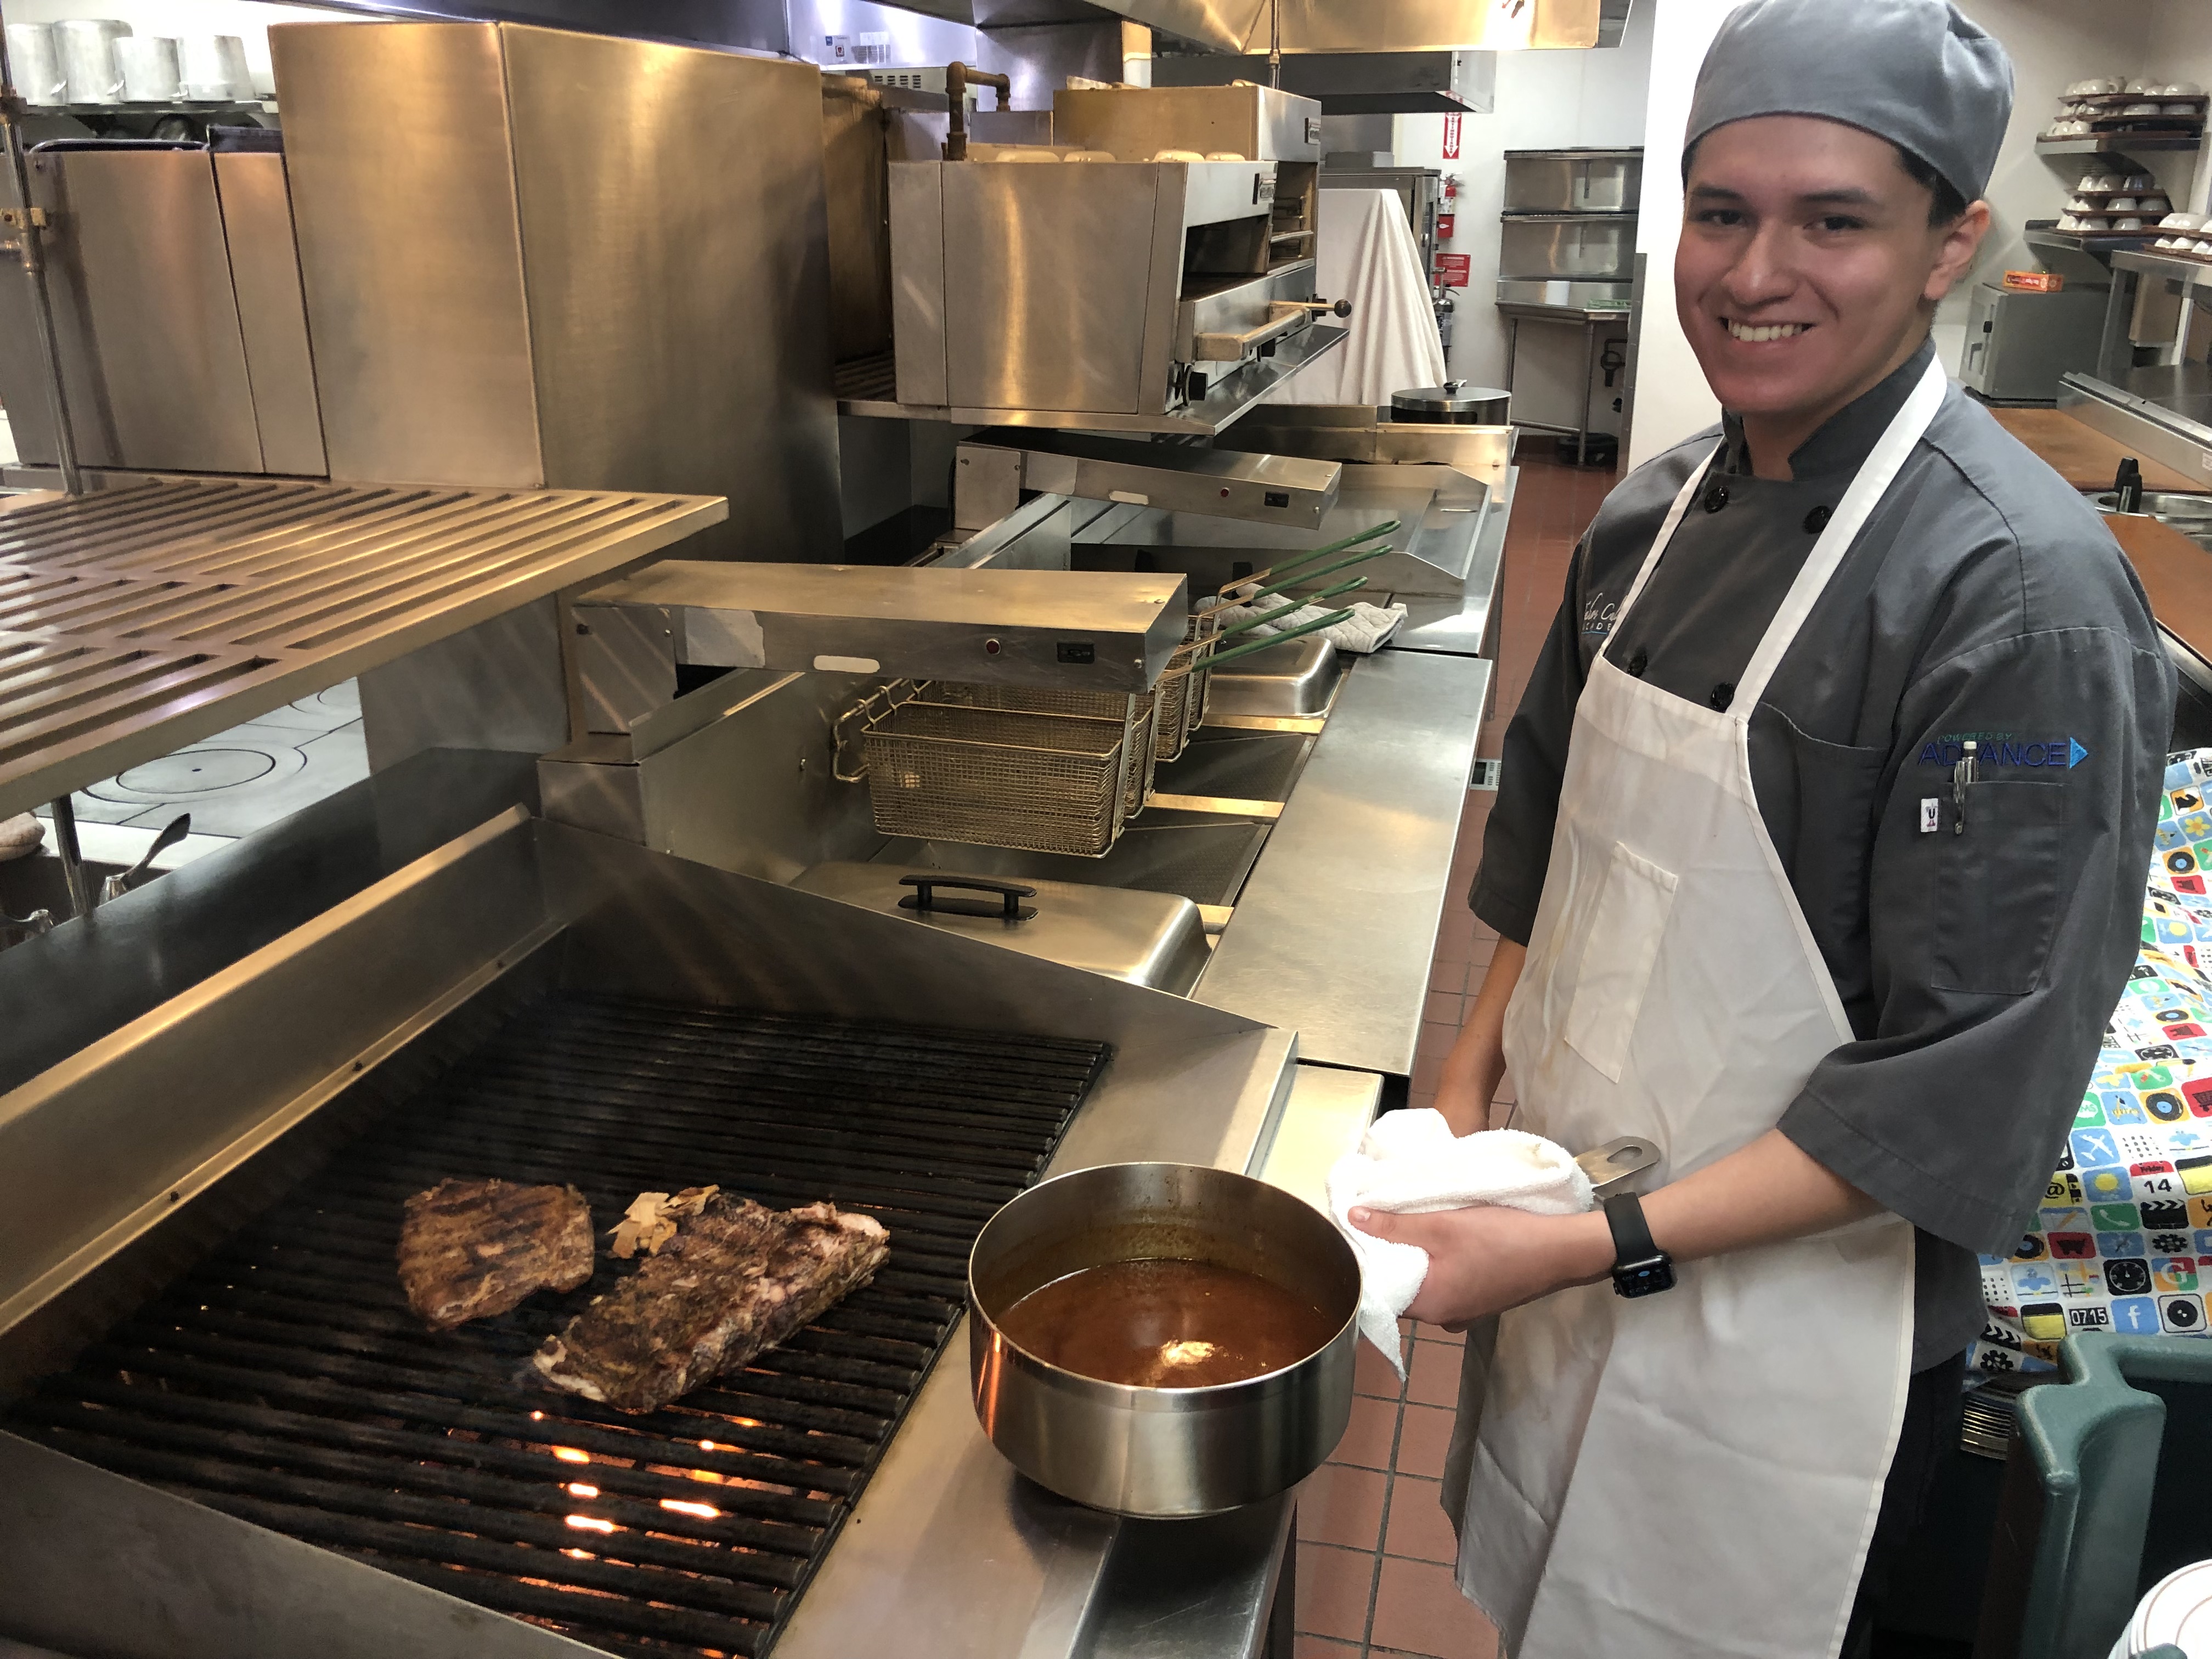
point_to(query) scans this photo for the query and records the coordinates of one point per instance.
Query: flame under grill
(285, 1382)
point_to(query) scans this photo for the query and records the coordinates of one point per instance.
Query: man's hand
(1486, 1259)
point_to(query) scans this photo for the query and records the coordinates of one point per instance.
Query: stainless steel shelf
(2190, 273)
(162, 107)
(867, 387)
(138, 620)
(2119, 144)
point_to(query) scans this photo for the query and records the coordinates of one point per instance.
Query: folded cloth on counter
(1363, 633)
(1410, 1163)
(20, 836)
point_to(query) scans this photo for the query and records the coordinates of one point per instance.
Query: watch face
(1644, 1278)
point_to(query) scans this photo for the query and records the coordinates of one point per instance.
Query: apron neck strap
(1872, 483)
(1874, 478)
(1667, 529)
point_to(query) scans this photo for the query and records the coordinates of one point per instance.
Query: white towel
(1363, 633)
(1411, 1163)
(1365, 252)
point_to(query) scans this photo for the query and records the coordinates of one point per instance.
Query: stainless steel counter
(966, 1560)
(1334, 933)
(1460, 625)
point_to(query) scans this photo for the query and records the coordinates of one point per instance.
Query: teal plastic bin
(2105, 1492)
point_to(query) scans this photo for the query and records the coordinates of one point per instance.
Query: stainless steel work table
(1334, 933)
(963, 1558)
(1460, 624)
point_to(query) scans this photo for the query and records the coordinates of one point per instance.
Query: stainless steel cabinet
(177, 313)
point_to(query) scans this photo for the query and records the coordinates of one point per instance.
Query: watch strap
(1632, 1234)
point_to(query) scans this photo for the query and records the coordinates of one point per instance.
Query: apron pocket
(1998, 887)
(1616, 956)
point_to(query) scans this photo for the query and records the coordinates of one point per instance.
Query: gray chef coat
(1982, 598)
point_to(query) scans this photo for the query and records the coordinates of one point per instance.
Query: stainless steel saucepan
(1161, 1453)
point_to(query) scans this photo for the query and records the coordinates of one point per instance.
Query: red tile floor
(1375, 1549)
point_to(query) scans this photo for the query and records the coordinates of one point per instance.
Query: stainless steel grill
(284, 1381)
(136, 621)
(1044, 783)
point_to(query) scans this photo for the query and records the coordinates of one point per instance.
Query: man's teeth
(1752, 335)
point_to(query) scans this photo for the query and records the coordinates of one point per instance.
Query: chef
(1817, 860)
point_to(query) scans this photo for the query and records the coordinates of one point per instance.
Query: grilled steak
(737, 1279)
(472, 1249)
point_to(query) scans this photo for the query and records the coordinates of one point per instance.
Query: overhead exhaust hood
(1354, 57)
(1370, 26)
(1244, 27)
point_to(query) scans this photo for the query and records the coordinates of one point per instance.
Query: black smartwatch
(1640, 1267)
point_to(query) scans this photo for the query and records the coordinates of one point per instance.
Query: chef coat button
(1817, 520)
(1639, 662)
(1723, 694)
(1716, 497)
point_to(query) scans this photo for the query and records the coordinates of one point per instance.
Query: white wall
(2051, 43)
(249, 20)
(1672, 399)
(1545, 101)
(2181, 49)
(911, 38)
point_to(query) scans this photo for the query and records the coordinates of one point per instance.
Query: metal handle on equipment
(1284, 317)
(1617, 1161)
(924, 898)
(114, 887)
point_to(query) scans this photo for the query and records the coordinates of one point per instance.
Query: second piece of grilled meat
(470, 1249)
(737, 1279)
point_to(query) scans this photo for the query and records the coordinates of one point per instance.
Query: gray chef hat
(1916, 72)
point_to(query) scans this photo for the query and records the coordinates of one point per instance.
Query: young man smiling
(1758, 905)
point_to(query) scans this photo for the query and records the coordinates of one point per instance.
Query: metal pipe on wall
(28, 224)
(957, 76)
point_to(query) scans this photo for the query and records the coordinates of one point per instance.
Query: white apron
(1694, 1474)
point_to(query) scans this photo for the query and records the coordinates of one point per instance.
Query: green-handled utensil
(1283, 638)
(1290, 609)
(1276, 570)
(1291, 582)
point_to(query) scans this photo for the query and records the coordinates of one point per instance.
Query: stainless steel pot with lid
(1456, 403)
(1161, 1453)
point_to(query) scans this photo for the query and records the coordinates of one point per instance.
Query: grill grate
(285, 1381)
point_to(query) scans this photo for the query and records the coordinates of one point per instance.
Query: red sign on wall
(1451, 269)
(1445, 222)
(1451, 137)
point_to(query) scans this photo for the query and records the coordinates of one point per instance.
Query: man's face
(1805, 260)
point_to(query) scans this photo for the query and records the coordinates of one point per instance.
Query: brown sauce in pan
(1166, 1324)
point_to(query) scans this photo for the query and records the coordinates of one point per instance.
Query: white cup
(34, 59)
(214, 67)
(88, 60)
(150, 74)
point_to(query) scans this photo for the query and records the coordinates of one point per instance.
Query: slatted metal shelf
(138, 620)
